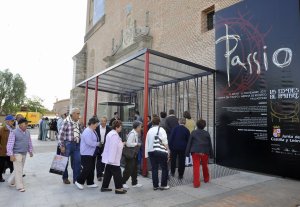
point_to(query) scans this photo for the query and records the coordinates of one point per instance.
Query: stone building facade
(115, 29)
(61, 107)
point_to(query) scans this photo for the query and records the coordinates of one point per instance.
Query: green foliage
(12, 92)
(35, 104)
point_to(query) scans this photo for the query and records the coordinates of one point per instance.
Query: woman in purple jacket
(89, 142)
(111, 157)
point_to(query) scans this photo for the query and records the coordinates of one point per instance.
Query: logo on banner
(276, 131)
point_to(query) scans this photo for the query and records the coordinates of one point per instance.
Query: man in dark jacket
(200, 146)
(171, 122)
(178, 141)
(116, 117)
(101, 130)
(4, 134)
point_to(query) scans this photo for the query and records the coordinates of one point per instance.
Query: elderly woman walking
(200, 146)
(111, 157)
(88, 144)
(131, 163)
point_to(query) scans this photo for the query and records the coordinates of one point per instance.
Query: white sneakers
(92, 186)
(125, 186)
(79, 186)
(137, 185)
(165, 187)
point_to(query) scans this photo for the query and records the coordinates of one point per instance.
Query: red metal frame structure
(96, 96)
(85, 102)
(142, 71)
(146, 101)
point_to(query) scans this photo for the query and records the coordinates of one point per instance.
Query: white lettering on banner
(251, 57)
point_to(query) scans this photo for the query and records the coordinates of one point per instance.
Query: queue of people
(100, 147)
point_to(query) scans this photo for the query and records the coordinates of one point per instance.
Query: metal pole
(214, 115)
(85, 102)
(96, 96)
(207, 102)
(197, 97)
(201, 97)
(183, 83)
(175, 98)
(157, 96)
(171, 96)
(146, 91)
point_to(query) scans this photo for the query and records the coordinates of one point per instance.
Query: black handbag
(130, 152)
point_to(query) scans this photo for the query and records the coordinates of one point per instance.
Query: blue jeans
(73, 151)
(159, 159)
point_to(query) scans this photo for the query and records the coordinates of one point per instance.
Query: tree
(12, 92)
(35, 104)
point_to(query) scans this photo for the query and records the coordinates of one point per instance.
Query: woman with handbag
(200, 146)
(131, 159)
(156, 148)
(111, 156)
(88, 144)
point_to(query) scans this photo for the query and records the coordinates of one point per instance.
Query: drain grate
(216, 171)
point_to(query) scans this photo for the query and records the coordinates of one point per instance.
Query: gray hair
(182, 121)
(74, 110)
(104, 117)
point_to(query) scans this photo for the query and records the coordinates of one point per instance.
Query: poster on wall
(258, 86)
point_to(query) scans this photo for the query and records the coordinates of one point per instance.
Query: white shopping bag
(59, 164)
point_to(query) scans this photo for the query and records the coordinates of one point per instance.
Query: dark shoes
(2, 180)
(99, 179)
(66, 181)
(105, 189)
(120, 191)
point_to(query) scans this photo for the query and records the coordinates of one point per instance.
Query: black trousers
(87, 173)
(100, 166)
(131, 169)
(181, 161)
(112, 171)
(5, 161)
(159, 159)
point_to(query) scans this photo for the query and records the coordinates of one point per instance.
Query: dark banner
(257, 87)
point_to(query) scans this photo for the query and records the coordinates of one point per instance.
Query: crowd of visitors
(169, 141)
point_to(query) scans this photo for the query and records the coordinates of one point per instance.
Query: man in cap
(19, 143)
(4, 134)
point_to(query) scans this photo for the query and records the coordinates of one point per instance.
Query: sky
(38, 40)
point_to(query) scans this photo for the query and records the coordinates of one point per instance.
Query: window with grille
(210, 21)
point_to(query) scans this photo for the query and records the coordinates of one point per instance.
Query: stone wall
(174, 27)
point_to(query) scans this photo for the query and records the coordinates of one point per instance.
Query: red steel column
(85, 102)
(96, 96)
(146, 94)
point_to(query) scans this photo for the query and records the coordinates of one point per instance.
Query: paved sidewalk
(240, 189)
